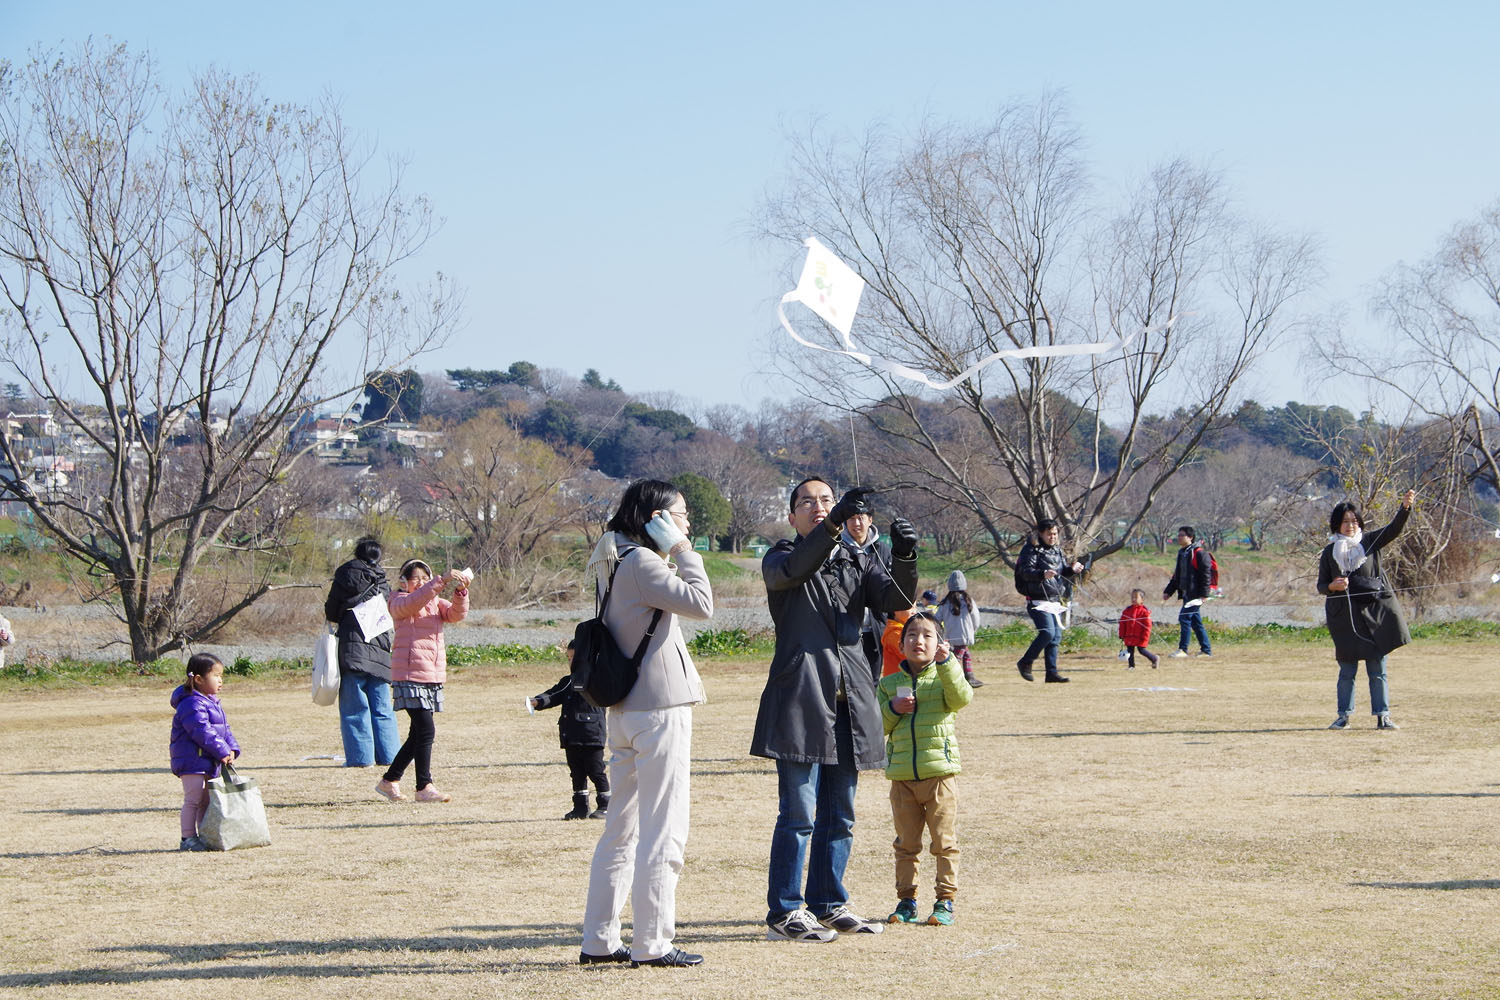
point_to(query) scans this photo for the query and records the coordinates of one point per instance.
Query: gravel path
(84, 631)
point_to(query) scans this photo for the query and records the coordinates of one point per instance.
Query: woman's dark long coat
(1365, 621)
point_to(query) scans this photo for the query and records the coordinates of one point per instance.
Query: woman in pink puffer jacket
(419, 666)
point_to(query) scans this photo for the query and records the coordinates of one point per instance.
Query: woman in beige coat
(649, 733)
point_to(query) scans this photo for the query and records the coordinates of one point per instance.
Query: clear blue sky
(586, 155)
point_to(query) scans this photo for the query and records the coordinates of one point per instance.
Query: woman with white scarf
(1363, 617)
(647, 564)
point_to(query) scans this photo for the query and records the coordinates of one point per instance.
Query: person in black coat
(1363, 617)
(1192, 579)
(818, 716)
(580, 732)
(367, 720)
(1043, 577)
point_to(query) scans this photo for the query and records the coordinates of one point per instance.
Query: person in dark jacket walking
(580, 733)
(1042, 575)
(818, 716)
(1363, 617)
(1191, 581)
(367, 720)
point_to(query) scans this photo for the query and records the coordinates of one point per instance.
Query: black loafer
(674, 959)
(1025, 669)
(1056, 679)
(620, 954)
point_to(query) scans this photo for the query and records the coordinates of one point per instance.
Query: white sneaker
(800, 925)
(1179, 654)
(846, 921)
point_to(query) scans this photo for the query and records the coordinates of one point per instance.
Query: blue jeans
(1048, 638)
(1380, 692)
(366, 720)
(1191, 620)
(817, 805)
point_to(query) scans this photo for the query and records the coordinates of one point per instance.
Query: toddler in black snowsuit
(580, 730)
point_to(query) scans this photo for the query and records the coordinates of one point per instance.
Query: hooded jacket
(1135, 625)
(818, 591)
(354, 583)
(200, 733)
(924, 744)
(419, 653)
(958, 626)
(874, 549)
(1365, 621)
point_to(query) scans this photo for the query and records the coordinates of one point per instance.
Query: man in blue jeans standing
(819, 719)
(1042, 574)
(1191, 581)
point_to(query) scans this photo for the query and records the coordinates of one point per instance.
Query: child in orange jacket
(890, 642)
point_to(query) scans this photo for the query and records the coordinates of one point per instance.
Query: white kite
(832, 289)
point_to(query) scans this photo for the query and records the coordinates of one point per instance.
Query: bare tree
(504, 492)
(1445, 363)
(185, 279)
(974, 241)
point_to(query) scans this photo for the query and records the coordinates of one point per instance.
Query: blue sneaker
(906, 912)
(942, 913)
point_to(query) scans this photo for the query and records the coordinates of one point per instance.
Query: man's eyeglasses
(808, 503)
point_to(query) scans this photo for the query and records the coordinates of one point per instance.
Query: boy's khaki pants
(930, 803)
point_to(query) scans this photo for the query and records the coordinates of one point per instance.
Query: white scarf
(1348, 554)
(601, 564)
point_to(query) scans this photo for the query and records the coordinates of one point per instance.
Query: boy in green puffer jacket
(918, 703)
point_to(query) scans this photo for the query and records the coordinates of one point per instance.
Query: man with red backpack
(1192, 581)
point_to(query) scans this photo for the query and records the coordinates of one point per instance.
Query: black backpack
(601, 673)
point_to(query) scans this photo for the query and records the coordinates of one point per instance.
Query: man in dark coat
(1191, 581)
(367, 720)
(818, 716)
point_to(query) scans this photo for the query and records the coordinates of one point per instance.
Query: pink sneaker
(431, 794)
(390, 790)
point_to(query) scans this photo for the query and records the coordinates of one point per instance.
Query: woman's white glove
(665, 533)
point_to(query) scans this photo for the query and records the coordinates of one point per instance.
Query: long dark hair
(642, 498)
(1340, 510)
(958, 601)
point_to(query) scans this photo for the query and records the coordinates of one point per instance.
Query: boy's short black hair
(792, 501)
(924, 616)
(1187, 529)
(1045, 524)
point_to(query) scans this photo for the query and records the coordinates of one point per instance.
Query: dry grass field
(1190, 832)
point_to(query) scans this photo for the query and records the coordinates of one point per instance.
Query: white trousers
(645, 832)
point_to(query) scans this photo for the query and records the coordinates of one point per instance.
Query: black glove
(850, 504)
(903, 539)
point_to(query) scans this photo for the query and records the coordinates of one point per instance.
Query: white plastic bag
(325, 671)
(236, 816)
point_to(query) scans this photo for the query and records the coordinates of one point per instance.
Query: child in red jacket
(1135, 629)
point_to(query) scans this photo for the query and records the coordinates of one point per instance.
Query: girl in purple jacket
(201, 741)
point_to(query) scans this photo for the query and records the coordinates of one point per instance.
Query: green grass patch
(731, 642)
(505, 652)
